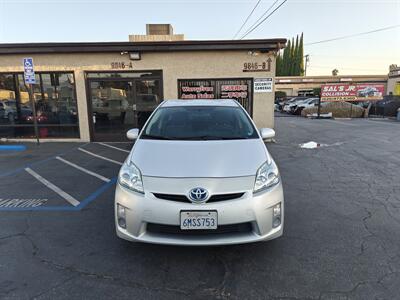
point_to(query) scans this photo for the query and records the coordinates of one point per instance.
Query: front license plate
(205, 219)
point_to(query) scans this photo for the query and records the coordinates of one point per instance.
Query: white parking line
(83, 169)
(101, 157)
(51, 186)
(113, 147)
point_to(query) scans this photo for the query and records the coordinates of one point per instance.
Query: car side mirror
(267, 133)
(132, 134)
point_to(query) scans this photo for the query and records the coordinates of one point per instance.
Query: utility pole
(307, 60)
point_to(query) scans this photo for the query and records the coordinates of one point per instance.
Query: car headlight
(267, 176)
(130, 177)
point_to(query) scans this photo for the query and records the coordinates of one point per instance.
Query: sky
(24, 21)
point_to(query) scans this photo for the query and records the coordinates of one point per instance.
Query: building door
(119, 104)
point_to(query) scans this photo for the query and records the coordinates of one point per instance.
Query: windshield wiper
(156, 137)
(212, 137)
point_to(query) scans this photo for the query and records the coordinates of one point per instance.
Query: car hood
(199, 158)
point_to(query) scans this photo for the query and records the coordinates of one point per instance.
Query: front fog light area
(121, 216)
(276, 215)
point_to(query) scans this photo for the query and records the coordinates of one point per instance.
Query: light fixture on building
(134, 56)
(253, 53)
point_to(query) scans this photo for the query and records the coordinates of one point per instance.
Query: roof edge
(150, 46)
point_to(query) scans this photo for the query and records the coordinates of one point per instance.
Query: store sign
(234, 91)
(396, 90)
(352, 92)
(197, 92)
(263, 85)
(394, 71)
(264, 66)
(120, 65)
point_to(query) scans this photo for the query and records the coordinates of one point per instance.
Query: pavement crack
(115, 280)
(344, 293)
(56, 286)
(220, 291)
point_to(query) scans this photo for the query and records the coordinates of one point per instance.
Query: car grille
(221, 229)
(213, 198)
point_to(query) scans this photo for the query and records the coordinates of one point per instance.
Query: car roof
(200, 102)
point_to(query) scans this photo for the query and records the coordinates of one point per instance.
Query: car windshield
(199, 123)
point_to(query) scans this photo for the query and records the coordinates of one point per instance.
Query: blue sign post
(30, 80)
(29, 72)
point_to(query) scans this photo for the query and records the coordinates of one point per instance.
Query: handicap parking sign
(29, 72)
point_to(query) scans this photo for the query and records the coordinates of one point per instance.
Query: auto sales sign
(352, 92)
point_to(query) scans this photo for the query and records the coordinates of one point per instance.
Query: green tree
(280, 95)
(317, 92)
(279, 62)
(300, 56)
(292, 60)
(286, 59)
(296, 63)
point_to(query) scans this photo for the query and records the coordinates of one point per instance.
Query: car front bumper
(145, 211)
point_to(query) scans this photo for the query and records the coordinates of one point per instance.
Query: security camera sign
(29, 72)
(263, 85)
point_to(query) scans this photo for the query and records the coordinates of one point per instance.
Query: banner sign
(197, 92)
(234, 91)
(263, 85)
(352, 92)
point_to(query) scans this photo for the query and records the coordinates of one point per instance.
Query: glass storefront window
(55, 103)
(7, 98)
(121, 103)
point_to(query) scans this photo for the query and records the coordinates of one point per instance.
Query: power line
(263, 20)
(248, 17)
(352, 35)
(269, 8)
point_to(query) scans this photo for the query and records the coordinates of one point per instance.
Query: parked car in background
(292, 104)
(387, 107)
(2, 113)
(310, 102)
(281, 102)
(10, 108)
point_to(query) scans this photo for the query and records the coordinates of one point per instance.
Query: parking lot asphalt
(341, 238)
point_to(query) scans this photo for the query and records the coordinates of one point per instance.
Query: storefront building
(394, 80)
(97, 91)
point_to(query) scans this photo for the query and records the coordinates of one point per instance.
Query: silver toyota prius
(199, 173)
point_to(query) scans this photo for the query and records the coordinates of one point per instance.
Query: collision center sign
(352, 92)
